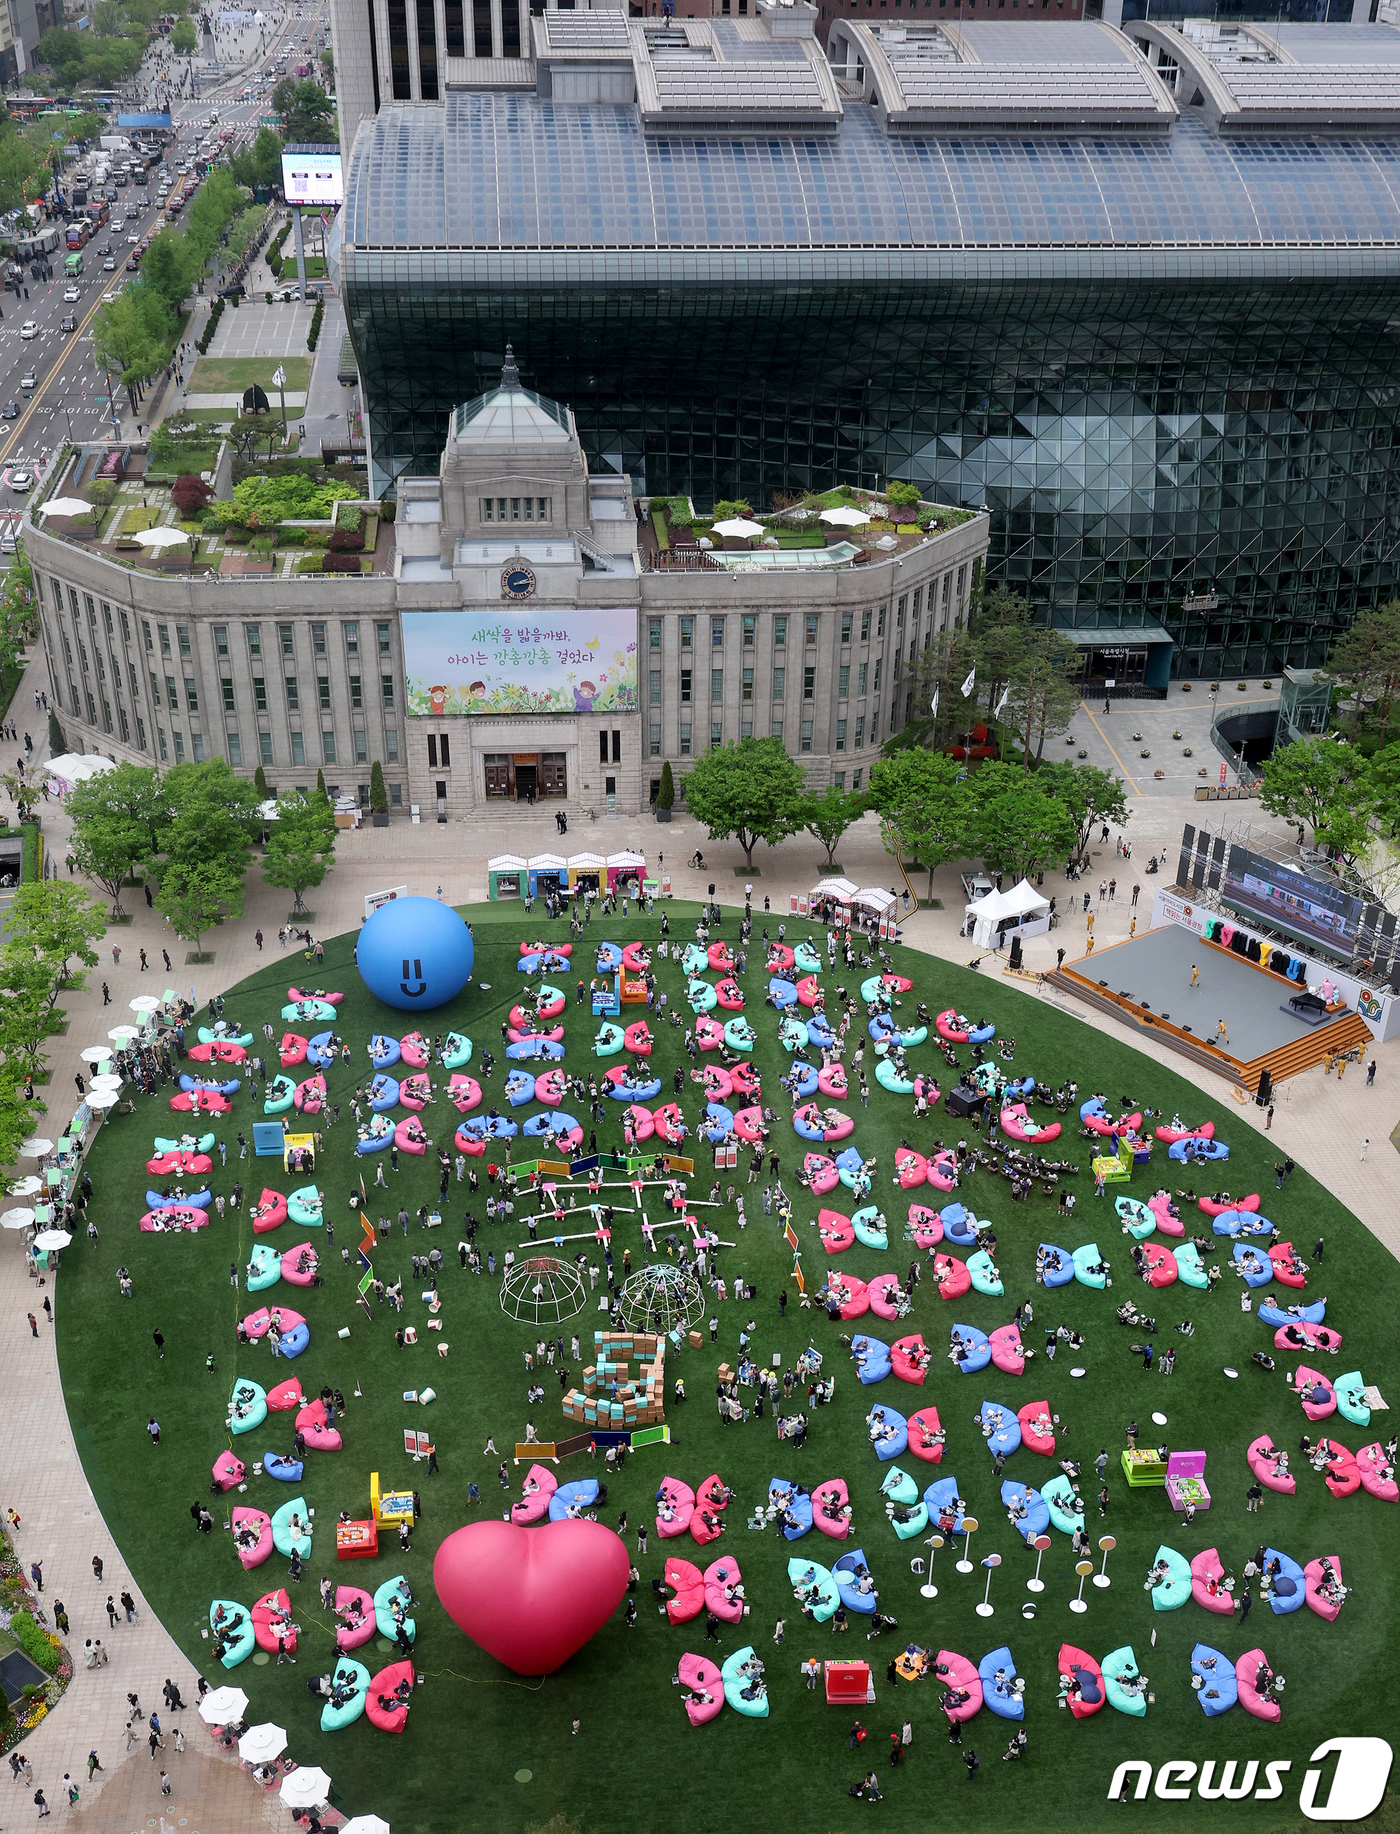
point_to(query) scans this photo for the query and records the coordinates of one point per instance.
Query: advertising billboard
(312, 175)
(513, 660)
(1290, 900)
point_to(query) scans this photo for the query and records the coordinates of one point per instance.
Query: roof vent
(510, 375)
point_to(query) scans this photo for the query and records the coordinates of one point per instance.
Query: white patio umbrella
(221, 1706)
(261, 1744)
(162, 538)
(739, 528)
(103, 1099)
(18, 1218)
(144, 1003)
(107, 1079)
(305, 1787)
(123, 1034)
(26, 1186)
(366, 1824)
(95, 1053)
(845, 518)
(52, 1238)
(35, 1148)
(65, 506)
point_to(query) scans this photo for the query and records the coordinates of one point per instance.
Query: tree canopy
(1366, 662)
(1325, 785)
(751, 790)
(925, 807)
(301, 845)
(1020, 826)
(114, 821)
(307, 114)
(260, 163)
(829, 815)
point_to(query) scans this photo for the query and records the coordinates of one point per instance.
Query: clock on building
(518, 581)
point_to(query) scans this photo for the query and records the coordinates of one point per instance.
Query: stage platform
(1147, 981)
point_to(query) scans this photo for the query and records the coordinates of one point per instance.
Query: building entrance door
(525, 782)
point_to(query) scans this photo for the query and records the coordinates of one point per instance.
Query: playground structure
(543, 1290)
(662, 1298)
(614, 1396)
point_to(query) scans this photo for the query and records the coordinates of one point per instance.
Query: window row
(778, 683)
(516, 509)
(686, 734)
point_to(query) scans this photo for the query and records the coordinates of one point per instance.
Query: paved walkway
(1321, 1121)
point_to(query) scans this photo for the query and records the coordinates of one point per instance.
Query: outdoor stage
(1147, 982)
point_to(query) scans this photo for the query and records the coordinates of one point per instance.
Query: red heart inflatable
(531, 1597)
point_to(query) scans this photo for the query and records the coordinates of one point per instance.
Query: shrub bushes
(346, 541)
(279, 498)
(35, 1642)
(349, 517)
(211, 326)
(378, 795)
(340, 563)
(189, 495)
(315, 538)
(314, 333)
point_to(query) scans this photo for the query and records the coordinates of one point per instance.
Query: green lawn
(634, 1744)
(222, 375)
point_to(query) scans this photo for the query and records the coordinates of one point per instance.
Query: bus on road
(73, 266)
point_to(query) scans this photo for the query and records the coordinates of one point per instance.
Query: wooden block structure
(636, 1362)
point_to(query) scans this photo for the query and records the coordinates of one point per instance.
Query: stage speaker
(964, 1099)
(1266, 1083)
(1015, 952)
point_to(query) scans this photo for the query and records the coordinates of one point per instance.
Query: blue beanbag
(320, 1051)
(197, 1200)
(799, 1507)
(944, 1495)
(529, 1048)
(295, 1341)
(876, 1365)
(285, 1470)
(843, 1571)
(957, 1225)
(520, 1088)
(583, 1492)
(979, 1349)
(609, 958)
(804, 1079)
(1256, 1268)
(1000, 1696)
(1286, 1592)
(384, 1050)
(551, 1121)
(1037, 1517)
(783, 993)
(383, 1094)
(819, 1030)
(1241, 1222)
(1275, 1315)
(1218, 1691)
(1005, 1433)
(1059, 1265)
(1199, 1149)
(898, 1443)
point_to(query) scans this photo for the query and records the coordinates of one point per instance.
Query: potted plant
(378, 796)
(666, 795)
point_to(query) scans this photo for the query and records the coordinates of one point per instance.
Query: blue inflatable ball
(415, 954)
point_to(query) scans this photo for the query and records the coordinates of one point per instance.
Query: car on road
(134, 238)
(29, 329)
(21, 480)
(10, 411)
(107, 298)
(27, 379)
(9, 540)
(70, 293)
(143, 200)
(69, 322)
(134, 263)
(109, 266)
(105, 249)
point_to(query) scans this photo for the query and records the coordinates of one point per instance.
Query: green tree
(210, 814)
(1366, 660)
(1001, 630)
(17, 608)
(320, 783)
(1019, 827)
(130, 339)
(1042, 693)
(378, 795)
(666, 795)
(901, 495)
(750, 790)
(170, 268)
(183, 40)
(941, 670)
(114, 819)
(301, 846)
(52, 927)
(308, 118)
(260, 782)
(828, 816)
(1324, 785)
(1090, 795)
(196, 894)
(923, 800)
(729, 507)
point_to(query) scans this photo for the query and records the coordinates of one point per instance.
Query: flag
(934, 708)
(967, 685)
(279, 377)
(1005, 696)
(364, 1194)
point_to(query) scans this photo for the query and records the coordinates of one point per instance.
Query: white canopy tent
(874, 898)
(842, 890)
(76, 767)
(1021, 909)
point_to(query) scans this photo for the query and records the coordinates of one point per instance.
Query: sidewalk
(1319, 1120)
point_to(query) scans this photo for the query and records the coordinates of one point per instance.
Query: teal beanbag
(1118, 1665)
(899, 1487)
(1086, 1259)
(1188, 1265)
(264, 1267)
(1059, 1498)
(1173, 1590)
(983, 1273)
(350, 1689)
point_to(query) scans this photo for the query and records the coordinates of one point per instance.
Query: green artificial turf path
(475, 1729)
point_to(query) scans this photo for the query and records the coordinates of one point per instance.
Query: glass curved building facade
(1162, 350)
